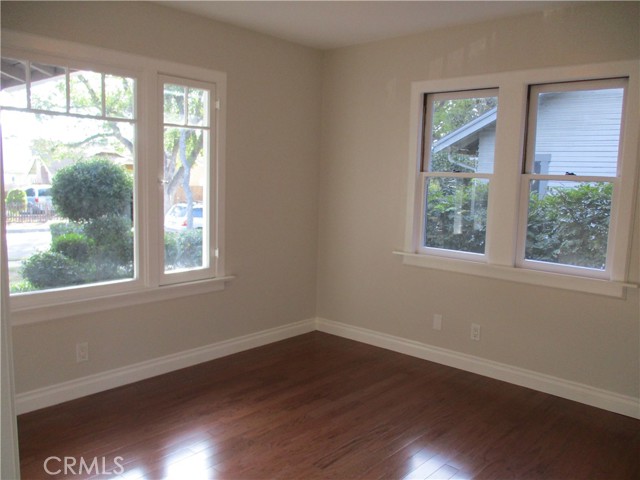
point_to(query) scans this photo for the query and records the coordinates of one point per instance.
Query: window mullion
(502, 216)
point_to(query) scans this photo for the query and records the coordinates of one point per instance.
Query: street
(23, 240)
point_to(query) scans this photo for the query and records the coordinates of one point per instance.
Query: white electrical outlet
(437, 322)
(82, 352)
(475, 332)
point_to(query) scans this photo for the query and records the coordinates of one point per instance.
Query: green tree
(449, 115)
(16, 201)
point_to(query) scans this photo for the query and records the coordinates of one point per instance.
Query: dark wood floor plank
(322, 407)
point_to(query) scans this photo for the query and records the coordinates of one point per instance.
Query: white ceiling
(333, 24)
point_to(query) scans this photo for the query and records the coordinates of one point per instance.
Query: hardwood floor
(319, 406)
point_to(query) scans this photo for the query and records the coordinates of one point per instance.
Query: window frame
(147, 284)
(504, 204)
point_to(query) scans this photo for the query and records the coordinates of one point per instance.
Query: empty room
(320, 239)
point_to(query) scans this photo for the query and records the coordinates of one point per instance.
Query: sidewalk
(30, 227)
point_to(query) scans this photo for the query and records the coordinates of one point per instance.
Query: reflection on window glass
(69, 182)
(456, 213)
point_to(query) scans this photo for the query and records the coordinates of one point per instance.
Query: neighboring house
(20, 174)
(563, 127)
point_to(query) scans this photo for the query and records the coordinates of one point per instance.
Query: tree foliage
(456, 214)
(566, 225)
(570, 225)
(450, 115)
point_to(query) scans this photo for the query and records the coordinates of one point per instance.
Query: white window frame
(425, 173)
(148, 284)
(504, 211)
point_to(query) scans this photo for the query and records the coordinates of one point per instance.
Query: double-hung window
(526, 176)
(456, 168)
(570, 176)
(113, 172)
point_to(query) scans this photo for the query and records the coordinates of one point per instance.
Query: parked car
(175, 219)
(39, 199)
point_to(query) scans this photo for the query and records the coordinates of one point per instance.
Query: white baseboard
(62, 392)
(578, 392)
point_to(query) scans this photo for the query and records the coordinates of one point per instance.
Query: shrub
(50, 270)
(16, 201)
(113, 252)
(184, 249)
(74, 246)
(62, 228)
(91, 189)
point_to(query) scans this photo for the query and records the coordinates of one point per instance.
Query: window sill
(42, 313)
(532, 277)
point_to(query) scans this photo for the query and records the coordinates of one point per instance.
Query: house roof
(467, 130)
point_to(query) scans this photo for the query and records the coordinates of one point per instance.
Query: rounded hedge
(91, 189)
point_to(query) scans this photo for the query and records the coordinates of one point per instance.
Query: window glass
(463, 134)
(456, 213)
(13, 79)
(48, 87)
(85, 93)
(119, 96)
(186, 167)
(568, 223)
(457, 164)
(576, 132)
(70, 179)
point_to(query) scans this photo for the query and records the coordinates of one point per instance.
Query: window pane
(12, 87)
(70, 220)
(174, 104)
(198, 107)
(119, 96)
(463, 134)
(456, 213)
(48, 87)
(85, 93)
(185, 172)
(578, 132)
(568, 223)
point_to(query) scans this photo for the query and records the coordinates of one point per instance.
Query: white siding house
(568, 140)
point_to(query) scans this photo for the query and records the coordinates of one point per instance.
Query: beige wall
(584, 338)
(271, 190)
(316, 179)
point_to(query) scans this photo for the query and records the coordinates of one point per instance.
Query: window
(75, 129)
(456, 169)
(526, 176)
(113, 170)
(571, 170)
(186, 193)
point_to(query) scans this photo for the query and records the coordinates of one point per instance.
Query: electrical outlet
(437, 322)
(475, 332)
(82, 352)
